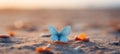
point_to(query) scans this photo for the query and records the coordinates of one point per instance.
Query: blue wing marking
(52, 30)
(54, 33)
(64, 34)
(54, 38)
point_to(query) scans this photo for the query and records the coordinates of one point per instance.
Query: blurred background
(28, 21)
(80, 14)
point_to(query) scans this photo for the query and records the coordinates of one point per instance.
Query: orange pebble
(77, 39)
(11, 34)
(43, 48)
(82, 36)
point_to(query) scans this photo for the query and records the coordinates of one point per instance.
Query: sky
(58, 4)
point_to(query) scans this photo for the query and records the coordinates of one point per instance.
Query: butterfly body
(59, 36)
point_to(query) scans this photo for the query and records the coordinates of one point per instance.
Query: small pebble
(44, 50)
(45, 35)
(115, 43)
(4, 36)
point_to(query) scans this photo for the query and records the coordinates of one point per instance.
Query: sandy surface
(95, 23)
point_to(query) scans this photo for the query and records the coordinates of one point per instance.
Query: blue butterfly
(62, 36)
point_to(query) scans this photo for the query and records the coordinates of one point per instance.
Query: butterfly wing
(64, 34)
(63, 39)
(54, 38)
(53, 32)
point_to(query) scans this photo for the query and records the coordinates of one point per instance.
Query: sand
(94, 23)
